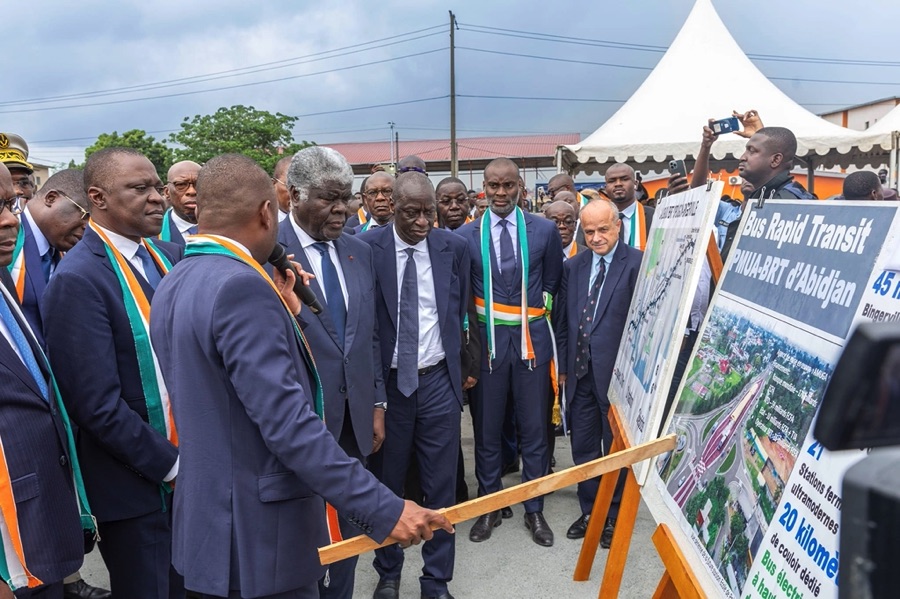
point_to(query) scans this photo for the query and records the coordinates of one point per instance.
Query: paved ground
(510, 565)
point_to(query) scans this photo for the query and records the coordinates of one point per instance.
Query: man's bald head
(411, 164)
(180, 168)
(230, 190)
(569, 198)
(559, 183)
(281, 168)
(101, 167)
(564, 216)
(620, 185)
(501, 163)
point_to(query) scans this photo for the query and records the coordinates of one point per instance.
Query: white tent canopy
(664, 118)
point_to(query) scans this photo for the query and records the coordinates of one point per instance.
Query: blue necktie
(408, 329)
(150, 272)
(46, 263)
(18, 336)
(507, 255)
(585, 325)
(192, 230)
(334, 295)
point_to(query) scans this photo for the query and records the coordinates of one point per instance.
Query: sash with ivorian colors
(638, 235)
(17, 266)
(492, 313)
(13, 561)
(361, 214)
(216, 245)
(166, 233)
(137, 307)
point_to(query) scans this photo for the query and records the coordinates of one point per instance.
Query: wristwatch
(382, 405)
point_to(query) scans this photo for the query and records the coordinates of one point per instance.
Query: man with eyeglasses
(52, 223)
(378, 194)
(96, 314)
(14, 154)
(342, 336)
(279, 180)
(181, 194)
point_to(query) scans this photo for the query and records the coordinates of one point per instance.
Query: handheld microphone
(278, 259)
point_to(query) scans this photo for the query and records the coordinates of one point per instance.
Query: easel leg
(621, 541)
(678, 581)
(598, 518)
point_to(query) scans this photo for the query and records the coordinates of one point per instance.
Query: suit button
(346, 360)
(63, 460)
(343, 389)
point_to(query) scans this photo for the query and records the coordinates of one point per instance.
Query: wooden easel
(678, 580)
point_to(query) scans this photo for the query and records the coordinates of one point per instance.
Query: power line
(602, 100)
(268, 66)
(214, 89)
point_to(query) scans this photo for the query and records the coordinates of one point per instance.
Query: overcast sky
(78, 49)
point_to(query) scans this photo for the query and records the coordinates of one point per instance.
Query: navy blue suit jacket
(34, 443)
(91, 349)
(34, 283)
(612, 312)
(256, 461)
(545, 272)
(353, 371)
(450, 265)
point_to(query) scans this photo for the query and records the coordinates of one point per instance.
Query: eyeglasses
(23, 183)
(182, 186)
(277, 180)
(85, 214)
(13, 204)
(566, 222)
(373, 193)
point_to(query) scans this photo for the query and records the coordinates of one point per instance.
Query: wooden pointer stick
(528, 490)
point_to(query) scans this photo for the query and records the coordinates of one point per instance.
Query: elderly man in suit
(95, 312)
(516, 354)
(181, 194)
(378, 190)
(37, 461)
(257, 460)
(421, 294)
(343, 336)
(589, 316)
(52, 223)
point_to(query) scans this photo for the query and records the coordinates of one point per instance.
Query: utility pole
(391, 139)
(454, 159)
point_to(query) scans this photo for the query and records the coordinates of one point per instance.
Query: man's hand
(469, 383)
(5, 593)
(561, 380)
(377, 430)
(285, 285)
(708, 136)
(677, 183)
(414, 525)
(750, 122)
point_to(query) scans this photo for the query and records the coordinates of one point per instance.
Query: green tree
(256, 134)
(156, 151)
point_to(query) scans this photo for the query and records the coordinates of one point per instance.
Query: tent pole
(894, 163)
(810, 175)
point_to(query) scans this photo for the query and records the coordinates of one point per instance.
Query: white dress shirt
(43, 246)
(595, 270)
(496, 228)
(181, 224)
(431, 348)
(282, 215)
(315, 259)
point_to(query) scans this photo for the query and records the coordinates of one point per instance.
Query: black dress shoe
(540, 530)
(444, 595)
(552, 462)
(608, 530)
(387, 589)
(578, 528)
(506, 512)
(82, 590)
(484, 526)
(509, 468)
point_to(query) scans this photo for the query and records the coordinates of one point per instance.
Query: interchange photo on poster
(753, 499)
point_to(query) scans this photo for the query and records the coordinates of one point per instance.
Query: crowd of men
(169, 398)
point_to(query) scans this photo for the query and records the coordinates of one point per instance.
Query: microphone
(278, 259)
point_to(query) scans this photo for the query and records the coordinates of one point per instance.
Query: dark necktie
(21, 343)
(507, 255)
(583, 344)
(150, 272)
(334, 295)
(47, 260)
(408, 329)
(192, 230)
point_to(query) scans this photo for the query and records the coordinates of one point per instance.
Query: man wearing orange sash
(636, 218)
(96, 317)
(516, 258)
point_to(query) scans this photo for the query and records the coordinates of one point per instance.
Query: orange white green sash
(166, 233)
(13, 561)
(137, 307)
(17, 266)
(638, 235)
(573, 249)
(492, 313)
(216, 245)
(361, 214)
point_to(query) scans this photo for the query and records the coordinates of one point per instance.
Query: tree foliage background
(256, 134)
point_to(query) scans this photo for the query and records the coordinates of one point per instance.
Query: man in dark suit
(52, 222)
(589, 317)
(377, 194)
(181, 195)
(422, 285)
(37, 465)
(343, 336)
(361, 215)
(518, 358)
(95, 311)
(257, 460)
(279, 181)
(636, 218)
